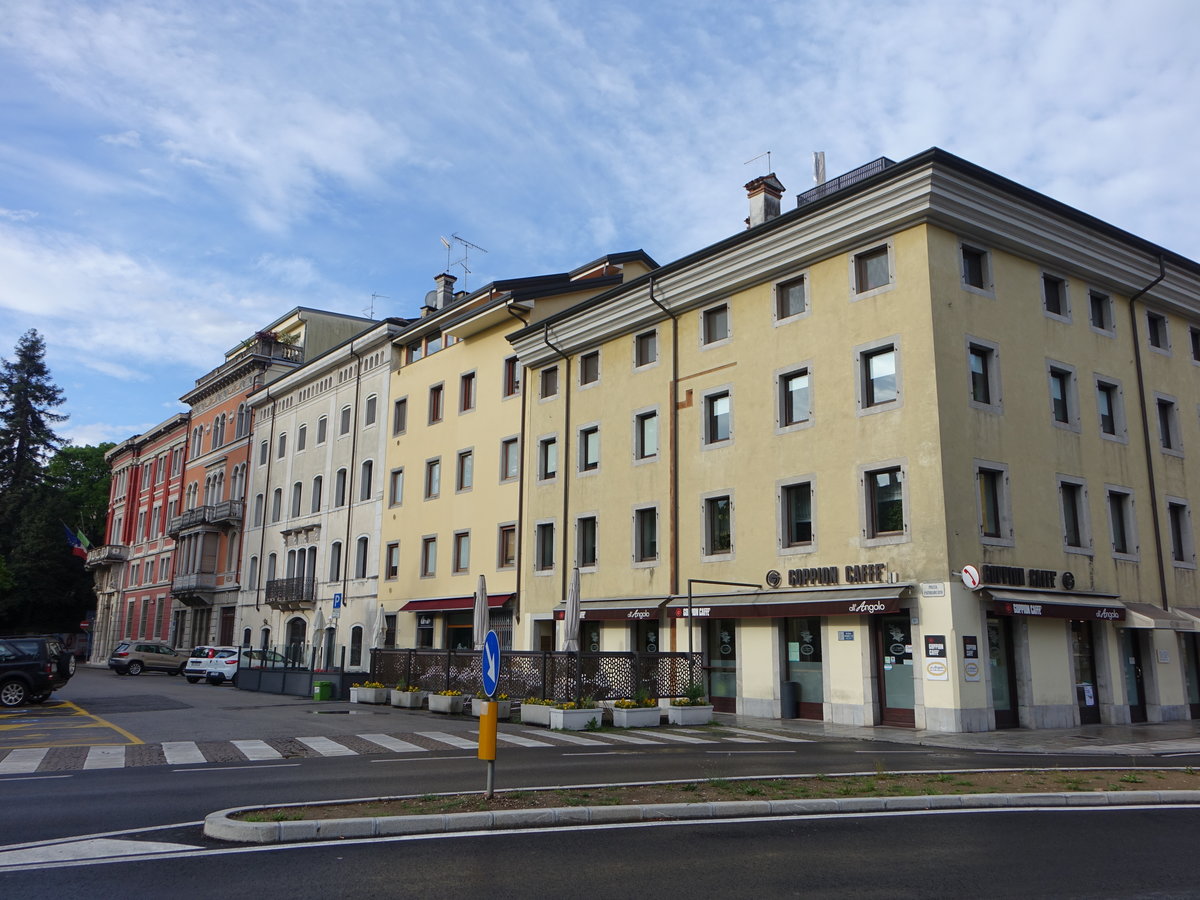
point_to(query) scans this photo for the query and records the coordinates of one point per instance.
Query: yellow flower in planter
(368, 684)
(449, 693)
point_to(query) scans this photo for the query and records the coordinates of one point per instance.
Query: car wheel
(192, 679)
(13, 693)
(39, 698)
(135, 668)
(178, 671)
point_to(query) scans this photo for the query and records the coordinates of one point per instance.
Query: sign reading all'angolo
(970, 577)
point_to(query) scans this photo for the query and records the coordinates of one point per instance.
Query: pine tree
(27, 400)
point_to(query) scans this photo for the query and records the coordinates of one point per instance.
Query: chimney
(445, 289)
(764, 193)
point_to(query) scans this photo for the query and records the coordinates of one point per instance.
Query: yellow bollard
(487, 743)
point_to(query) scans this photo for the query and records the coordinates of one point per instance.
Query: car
(31, 668)
(223, 666)
(135, 657)
(201, 658)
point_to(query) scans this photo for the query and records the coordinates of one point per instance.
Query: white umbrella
(479, 626)
(380, 629)
(571, 616)
(318, 634)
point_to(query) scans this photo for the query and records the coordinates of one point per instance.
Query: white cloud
(124, 139)
(93, 433)
(17, 215)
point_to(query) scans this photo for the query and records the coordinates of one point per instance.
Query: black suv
(31, 668)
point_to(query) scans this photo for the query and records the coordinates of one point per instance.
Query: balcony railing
(195, 589)
(262, 349)
(291, 593)
(107, 555)
(228, 512)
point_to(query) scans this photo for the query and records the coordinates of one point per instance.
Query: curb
(221, 826)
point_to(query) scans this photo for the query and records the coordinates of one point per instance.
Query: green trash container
(322, 690)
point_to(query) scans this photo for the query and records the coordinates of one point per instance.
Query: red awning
(449, 604)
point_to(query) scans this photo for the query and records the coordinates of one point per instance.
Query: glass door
(722, 664)
(1135, 687)
(803, 654)
(894, 658)
(1002, 672)
(1085, 673)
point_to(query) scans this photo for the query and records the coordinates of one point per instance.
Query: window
(1194, 333)
(1110, 408)
(512, 377)
(549, 382)
(317, 484)
(645, 349)
(1100, 312)
(258, 509)
(1054, 297)
(339, 488)
(464, 470)
(1073, 496)
(718, 525)
(396, 487)
(281, 446)
(276, 505)
(433, 478)
(297, 497)
(547, 458)
(796, 520)
(544, 547)
(506, 547)
(344, 424)
(301, 437)
(645, 435)
(790, 298)
(1063, 410)
(262, 453)
(414, 351)
(645, 534)
(589, 368)
(391, 561)
(365, 486)
(983, 373)
(466, 392)
(509, 459)
(714, 324)
(975, 272)
(435, 403)
(461, 562)
(1179, 519)
(252, 579)
(872, 270)
(885, 502)
(794, 401)
(589, 448)
(1156, 332)
(361, 555)
(879, 382)
(322, 429)
(370, 410)
(335, 561)
(400, 416)
(242, 423)
(1168, 424)
(991, 479)
(1121, 522)
(585, 542)
(717, 418)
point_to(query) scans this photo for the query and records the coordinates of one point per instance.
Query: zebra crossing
(41, 760)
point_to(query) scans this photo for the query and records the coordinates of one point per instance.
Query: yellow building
(918, 449)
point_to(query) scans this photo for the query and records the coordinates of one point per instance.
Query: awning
(638, 609)
(1089, 607)
(1147, 615)
(453, 604)
(773, 604)
(1192, 612)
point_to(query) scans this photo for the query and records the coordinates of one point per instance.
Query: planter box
(503, 712)
(369, 695)
(535, 714)
(442, 704)
(409, 699)
(643, 717)
(689, 715)
(574, 719)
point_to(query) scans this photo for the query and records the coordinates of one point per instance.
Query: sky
(176, 176)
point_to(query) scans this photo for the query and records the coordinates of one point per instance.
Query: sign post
(487, 721)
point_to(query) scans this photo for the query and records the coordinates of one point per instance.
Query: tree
(27, 398)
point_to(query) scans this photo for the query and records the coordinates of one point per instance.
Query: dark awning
(772, 604)
(636, 609)
(453, 604)
(1089, 607)
(1147, 615)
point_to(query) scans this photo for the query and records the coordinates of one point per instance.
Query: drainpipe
(564, 459)
(262, 541)
(520, 480)
(1141, 380)
(674, 435)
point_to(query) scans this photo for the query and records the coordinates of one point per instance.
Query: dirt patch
(812, 787)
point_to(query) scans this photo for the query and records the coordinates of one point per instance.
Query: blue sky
(175, 176)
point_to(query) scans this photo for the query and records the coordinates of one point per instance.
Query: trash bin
(322, 690)
(789, 700)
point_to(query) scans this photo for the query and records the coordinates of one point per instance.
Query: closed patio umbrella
(571, 616)
(318, 634)
(380, 633)
(479, 625)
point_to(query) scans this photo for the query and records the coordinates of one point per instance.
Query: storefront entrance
(1085, 673)
(1191, 669)
(722, 664)
(802, 646)
(1135, 686)
(1002, 671)
(645, 636)
(894, 669)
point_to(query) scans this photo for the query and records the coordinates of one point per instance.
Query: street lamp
(691, 581)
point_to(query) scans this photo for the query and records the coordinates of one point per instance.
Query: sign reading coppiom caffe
(870, 573)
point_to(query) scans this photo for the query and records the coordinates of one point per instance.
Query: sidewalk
(1152, 738)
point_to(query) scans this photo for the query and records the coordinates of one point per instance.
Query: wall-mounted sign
(935, 646)
(970, 577)
(1060, 611)
(1015, 576)
(933, 589)
(937, 670)
(845, 635)
(870, 573)
(971, 671)
(970, 646)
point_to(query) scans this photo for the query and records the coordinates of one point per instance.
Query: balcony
(290, 594)
(229, 512)
(194, 590)
(108, 555)
(263, 350)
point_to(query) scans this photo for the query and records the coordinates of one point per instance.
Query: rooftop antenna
(819, 166)
(760, 156)
(462, 262)
(370, 310)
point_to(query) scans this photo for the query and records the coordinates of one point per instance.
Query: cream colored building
(924, 377)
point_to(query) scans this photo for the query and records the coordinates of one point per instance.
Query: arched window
(369, 411)
(297, 492)
(364, 488)
(335, 561)
(258, 509)
(242, 425)
(356, 642)
(276, 504)
(253, 571)
(339, 488)
(317, 483)
(360, 557)
(271, 567)
(245, 637)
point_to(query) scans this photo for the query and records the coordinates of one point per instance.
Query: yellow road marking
(18, 734)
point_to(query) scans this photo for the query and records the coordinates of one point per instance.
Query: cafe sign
(870, 573)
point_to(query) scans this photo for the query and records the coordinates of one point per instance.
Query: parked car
(198, 663)
(226, 665)
(31, 668)
(135, 657)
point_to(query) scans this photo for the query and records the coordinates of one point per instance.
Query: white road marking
(575, 739)
(767, 736)
(452, 739)
(681, 738)
(507, 737)
(182, 753)
(23, 762)
(394, 744)
(257, 750)
(105, 758)
(741, 740)
(326, 746)
(94, 849)
(628, 738)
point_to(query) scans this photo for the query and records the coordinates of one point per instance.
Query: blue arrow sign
(491, 663)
